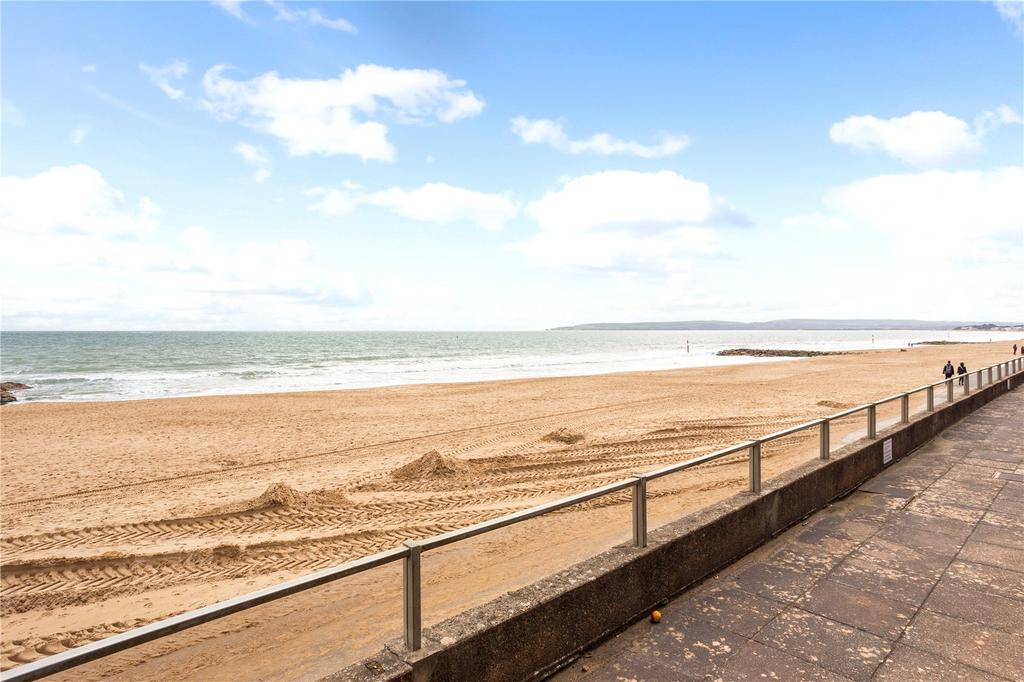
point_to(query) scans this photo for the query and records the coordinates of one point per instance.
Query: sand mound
(283, 495)
(564, 436)
(832, 404)
(431, 465)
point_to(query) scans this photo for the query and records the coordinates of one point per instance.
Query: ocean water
(129, 365)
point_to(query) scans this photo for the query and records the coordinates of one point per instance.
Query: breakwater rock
(7, 390)
(776, 353)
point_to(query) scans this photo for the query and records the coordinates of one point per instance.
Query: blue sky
(270, 165)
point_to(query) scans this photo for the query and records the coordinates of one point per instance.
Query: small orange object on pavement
(655, 616)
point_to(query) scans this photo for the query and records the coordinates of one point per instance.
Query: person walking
(1014, 349)
(961, 371)
(948, 370)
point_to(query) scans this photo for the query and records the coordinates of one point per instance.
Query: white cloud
(288, 13)
(552, 133)
(79, 134)
(161, 76)
(71, 200)
(921, 138)
(313, 16)
(627, 221)
(232, 7)
(10, 114)
(434, 202)
(337, 115)
(105, 264)
(1012, 11)
(936, 207)
(257, 156)
(990, 120)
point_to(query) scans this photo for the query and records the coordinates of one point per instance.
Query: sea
(97, 366)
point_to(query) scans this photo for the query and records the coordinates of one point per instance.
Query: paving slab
(917, 575)
(906, 663)
(866, 611)
(974, 645)
(834, 646)
(957, 600)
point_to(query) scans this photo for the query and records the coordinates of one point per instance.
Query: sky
(492, 166)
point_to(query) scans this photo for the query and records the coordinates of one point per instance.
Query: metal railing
(411, 551)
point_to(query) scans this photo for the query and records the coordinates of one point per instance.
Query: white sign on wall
(887, 451)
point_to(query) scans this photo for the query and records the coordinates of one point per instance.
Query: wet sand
(115, 514)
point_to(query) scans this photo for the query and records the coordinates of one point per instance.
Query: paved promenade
(918, 575)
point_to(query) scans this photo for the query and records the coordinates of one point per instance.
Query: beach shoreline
(113, 366)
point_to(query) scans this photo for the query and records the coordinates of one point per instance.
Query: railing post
(640, 512)
(989, 375)
(931, 398)
(872, 421)
(999, 371)
(905, 408)
(755, 466)
(412, 597)
(949, 390)
(823, 438)
(967, 384)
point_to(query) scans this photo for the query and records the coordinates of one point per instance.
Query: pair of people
(948, 371)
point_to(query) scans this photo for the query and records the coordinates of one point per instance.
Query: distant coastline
(799, 324)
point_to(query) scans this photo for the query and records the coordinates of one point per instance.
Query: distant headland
(797, 324)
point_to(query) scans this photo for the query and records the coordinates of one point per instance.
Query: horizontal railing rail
(410, 552)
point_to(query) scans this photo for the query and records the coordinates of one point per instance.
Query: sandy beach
(119, 513)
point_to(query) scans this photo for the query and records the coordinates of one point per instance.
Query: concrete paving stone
(921, 540)
(955, 599)
(992, 465)
(986, 578)
(885, 580)
(930, 525)
(826, 643)
(867, 506)
(903, 477)
(976, 472)
(853, 527)
(890, 490)
(974, 645)
(730, 608)
(963, 493)
(901, 557)
(805, 558)
(945, 510)
(906, 664)
(972, 476)
(996, 455)
(857, 608)
(633, 666)
(1010, 558)
(774, 582)
(1011, 491)
(823, 539)
(692, 647)
(1007, 505)
(997, 535)
(755, 661)
(1013, 520)
(947, 496)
